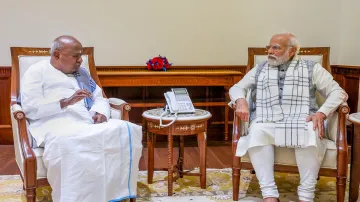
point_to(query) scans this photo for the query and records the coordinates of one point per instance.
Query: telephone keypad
(183, 100)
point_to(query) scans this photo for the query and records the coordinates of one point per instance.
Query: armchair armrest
(25, 155)
(343, 113)
(341, 142)
(236, 164)
(239, 129)
(119, 109)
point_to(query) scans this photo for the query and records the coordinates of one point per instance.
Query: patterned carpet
(219, 188)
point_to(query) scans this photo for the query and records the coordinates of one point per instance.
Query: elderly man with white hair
(89, 157)
(285, 113)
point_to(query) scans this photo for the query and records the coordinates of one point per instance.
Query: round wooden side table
(355, 158)
(186, 124)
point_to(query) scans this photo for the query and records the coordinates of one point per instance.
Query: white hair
(55, 45)
(294, 42)
(59, 42)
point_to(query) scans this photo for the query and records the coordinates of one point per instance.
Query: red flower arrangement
(158, 63)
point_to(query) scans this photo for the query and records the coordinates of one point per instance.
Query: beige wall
(188, 32)
(350, 33)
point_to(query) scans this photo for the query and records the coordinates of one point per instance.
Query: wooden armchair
(336, 157)
(28, 155)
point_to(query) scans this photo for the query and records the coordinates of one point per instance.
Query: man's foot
(271, 199)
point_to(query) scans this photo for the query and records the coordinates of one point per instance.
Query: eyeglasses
(274, 47)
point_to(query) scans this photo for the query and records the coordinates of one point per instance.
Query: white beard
(276, 61)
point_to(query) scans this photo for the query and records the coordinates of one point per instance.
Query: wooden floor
(7, 160)
(217, 157)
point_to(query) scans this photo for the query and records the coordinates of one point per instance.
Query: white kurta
(261, 134)
(84, 161)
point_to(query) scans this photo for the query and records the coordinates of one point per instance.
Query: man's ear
(56, 54)
(292, 51)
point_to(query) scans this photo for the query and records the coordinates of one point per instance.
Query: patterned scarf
(290, 115)
(87, 83)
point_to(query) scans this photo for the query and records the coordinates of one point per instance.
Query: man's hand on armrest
(242, 109)
(318, 122)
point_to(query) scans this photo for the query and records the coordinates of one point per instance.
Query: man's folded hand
(76, 97)
(99, 118)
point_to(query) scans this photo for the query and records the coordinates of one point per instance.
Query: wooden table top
(354, 118)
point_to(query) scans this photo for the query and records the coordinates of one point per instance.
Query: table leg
(170, 164)
(144, 129)
(151, 141)
(202, 148)
(181, 156)
(355, 165)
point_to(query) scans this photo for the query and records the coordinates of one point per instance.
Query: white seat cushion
(41, 170)
(286, 156)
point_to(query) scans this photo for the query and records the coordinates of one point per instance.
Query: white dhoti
(93, 162)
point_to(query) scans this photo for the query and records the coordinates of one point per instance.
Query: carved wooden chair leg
(340, 188)
(236, 177)
(236, 164)
(31, 195)
(341, 179)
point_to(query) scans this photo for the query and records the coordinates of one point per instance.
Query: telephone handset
(178, 101)
(171, 102)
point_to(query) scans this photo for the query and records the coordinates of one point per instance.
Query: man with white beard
(286, 114)
(89, 157)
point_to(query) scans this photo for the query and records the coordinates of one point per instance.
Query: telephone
(178, 101)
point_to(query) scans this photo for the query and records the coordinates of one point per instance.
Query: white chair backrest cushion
(25, 61)
(315, 58)
(258, 59)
